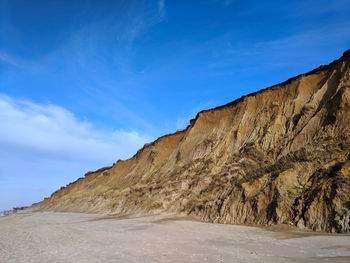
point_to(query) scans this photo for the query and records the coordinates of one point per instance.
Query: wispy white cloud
(161, 8)
(49, 130)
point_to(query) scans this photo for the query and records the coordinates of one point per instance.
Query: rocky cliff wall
(277, 156)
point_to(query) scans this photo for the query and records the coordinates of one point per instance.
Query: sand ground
(74, 237)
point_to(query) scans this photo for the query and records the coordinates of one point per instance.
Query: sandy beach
(74, 237)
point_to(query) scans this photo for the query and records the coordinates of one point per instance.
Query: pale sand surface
(74, 237)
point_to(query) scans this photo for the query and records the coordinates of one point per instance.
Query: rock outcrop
(277, 156)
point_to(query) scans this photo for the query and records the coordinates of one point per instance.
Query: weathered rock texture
(277, 156)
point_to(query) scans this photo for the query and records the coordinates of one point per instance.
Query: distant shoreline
(12, 211)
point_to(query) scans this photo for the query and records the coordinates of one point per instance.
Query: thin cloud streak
(161, 8)
(5, 58)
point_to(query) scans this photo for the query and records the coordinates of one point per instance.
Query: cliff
(277, 156)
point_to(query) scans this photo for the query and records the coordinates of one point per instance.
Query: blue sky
(85, 83)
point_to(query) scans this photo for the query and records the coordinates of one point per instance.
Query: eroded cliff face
(278, 156)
